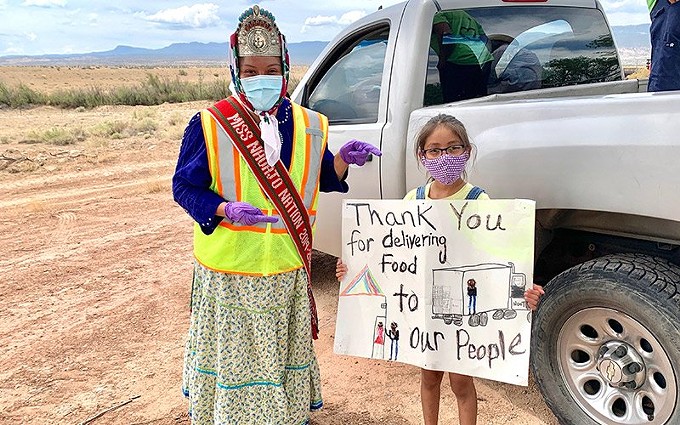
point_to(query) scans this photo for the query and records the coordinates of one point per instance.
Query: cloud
(11, 48)
(323, 21)
(44, 3)
(197, 16)
(351, 17)
(623, 5)
(31, 36)
(319, 21)
(626, 12)
(3, 4)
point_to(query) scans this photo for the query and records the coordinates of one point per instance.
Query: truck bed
(611, 87)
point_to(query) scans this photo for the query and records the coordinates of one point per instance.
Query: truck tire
(606, 342)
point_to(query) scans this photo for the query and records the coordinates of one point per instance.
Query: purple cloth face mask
(447, 168)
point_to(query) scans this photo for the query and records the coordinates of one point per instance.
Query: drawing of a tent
(363, 284)
(364, 296)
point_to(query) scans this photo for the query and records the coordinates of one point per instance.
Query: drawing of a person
(380, 338)
(393, 335)
(472, 295)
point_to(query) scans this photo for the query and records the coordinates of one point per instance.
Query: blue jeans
(472, 305)
(394, 349)
(665, 37)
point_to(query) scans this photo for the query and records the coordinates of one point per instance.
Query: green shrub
(74, 98)
(20, 96)
(154, 91)
(147, 125)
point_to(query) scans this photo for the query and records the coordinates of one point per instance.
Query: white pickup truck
(557, 123)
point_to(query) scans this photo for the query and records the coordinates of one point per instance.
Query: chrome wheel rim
(587, 343)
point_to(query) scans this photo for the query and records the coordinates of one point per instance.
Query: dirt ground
(95, 278)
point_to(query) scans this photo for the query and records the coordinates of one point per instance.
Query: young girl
(443, 147)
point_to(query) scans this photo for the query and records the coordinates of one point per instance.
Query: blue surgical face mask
(262, 91)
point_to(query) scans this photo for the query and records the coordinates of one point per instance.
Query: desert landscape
(96, 267)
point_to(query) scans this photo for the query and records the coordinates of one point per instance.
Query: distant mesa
(193, 53)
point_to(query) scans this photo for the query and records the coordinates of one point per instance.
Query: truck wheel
(606, 342)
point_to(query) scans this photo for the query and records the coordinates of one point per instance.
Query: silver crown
(257, 34)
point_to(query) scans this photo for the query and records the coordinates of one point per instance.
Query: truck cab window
(348, 89)
(476, 52)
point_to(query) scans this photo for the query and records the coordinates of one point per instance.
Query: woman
(249, 172)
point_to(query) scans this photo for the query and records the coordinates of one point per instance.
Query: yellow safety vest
(264, 248)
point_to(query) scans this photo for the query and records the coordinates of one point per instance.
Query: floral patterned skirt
(249, 357)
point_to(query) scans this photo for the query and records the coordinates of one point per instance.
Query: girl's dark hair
(447, 121)
(450, 122)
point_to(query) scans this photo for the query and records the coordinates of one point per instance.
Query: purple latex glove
(244, 213)
(357, 152)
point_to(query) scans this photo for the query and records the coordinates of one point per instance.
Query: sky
(36, 27)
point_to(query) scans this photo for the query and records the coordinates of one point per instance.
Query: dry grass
(176, 119)
(107, 157)
(174, 133)
(154, 91)
(639, 73)
(156, 186)
(48, 79)
(122, 129)
(144, 113)
(55, 136)
(97, 143)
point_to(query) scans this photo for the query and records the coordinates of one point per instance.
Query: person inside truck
(514, 68)
(464, 58)
(249, 171)
(664, 72)
(444, 148)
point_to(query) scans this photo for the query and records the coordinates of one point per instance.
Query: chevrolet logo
(610, 371)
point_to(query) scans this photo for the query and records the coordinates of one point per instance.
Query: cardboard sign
(438, 284)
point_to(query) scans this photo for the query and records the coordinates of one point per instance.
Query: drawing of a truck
(500, 292)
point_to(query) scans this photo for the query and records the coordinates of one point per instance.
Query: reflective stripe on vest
(263, 248)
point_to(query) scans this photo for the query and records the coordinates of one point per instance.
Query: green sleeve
(440, 18)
